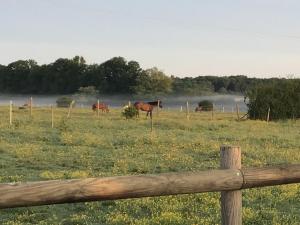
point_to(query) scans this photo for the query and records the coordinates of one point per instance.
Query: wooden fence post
(231, 201)
(30, 106)
(237, 111)
(151, 121)
(268, 115)
(52, 117)
(70, 109)
(157, 108)
(98, 110)
(212, 112)
(187, 110)
(10, 112)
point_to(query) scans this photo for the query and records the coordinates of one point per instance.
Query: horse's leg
(151, 114)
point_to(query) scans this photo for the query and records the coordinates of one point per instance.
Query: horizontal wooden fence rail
(112, 188)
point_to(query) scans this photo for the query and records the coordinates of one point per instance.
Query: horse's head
(160, 105)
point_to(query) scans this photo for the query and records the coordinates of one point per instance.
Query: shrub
(129, 112)
(206, 105)
(64, 101)
(282, 98)
(89, 90)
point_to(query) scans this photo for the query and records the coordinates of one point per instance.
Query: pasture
(89, 146)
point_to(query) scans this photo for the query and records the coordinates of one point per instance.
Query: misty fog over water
(170, 102)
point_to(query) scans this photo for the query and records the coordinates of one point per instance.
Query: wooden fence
(230, 180)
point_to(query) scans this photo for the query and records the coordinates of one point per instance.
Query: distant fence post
(237, 111)
(10, 112)
(98, 110)
(151, 123)
(70, 108)
(231, 201)
(268, 115)
(157, 108)
(52, 117)
(212, 111)
(187, 110)
(30, 106)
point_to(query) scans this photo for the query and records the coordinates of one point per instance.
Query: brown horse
(147, 107)
(101, 106)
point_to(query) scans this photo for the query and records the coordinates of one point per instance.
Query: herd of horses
(140, 106)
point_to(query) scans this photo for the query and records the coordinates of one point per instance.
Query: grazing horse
(101, 106)
(147, 107)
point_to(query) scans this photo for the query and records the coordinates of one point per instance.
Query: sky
(257, 38)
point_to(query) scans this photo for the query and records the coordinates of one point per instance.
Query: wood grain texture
(111, 188)
(231, 201)
(93, 189)
(230, 157)
(269, 176)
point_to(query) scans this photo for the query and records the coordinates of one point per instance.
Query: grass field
(87, 146)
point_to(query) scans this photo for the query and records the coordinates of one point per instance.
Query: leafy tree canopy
(114, 76)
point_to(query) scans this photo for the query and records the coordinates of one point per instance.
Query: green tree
(153, 82)
(120, 76)
(191, 86)
(281, 97)
(65, 75)
(17, 75)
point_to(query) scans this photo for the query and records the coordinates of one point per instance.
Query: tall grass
(87, 146)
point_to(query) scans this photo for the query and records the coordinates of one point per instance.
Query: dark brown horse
(147, 107)
(101, 106)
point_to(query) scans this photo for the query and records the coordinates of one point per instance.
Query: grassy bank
(87, 146)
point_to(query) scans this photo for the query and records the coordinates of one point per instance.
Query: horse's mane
(153, 103)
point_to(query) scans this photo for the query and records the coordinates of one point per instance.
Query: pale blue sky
(182, 37)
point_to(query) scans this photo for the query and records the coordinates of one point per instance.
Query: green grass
(87, 146)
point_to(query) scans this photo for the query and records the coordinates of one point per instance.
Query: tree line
(114, 76)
